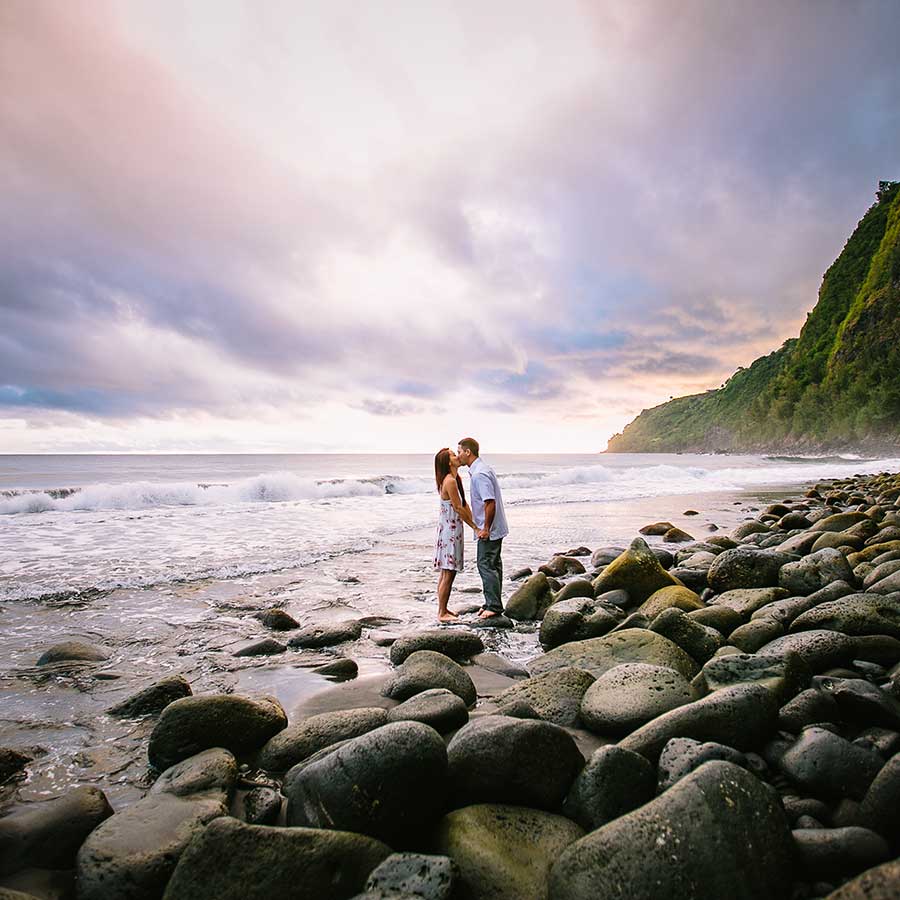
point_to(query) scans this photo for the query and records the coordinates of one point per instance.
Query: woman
(448, 544)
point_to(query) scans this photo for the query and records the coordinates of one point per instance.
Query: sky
(369, 226)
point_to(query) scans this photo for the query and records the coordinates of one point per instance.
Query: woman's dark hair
(442, 470)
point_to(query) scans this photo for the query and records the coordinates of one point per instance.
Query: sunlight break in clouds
(281, 226)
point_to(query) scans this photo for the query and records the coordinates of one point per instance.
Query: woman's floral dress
(448, 542)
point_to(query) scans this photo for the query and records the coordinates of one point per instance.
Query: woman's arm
(464, 512)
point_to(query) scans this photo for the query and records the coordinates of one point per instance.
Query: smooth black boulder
(153, 699)
(438, 707)
(388, 784)
(326, 634)
(426, 669)
(719, 832)
(457, 643)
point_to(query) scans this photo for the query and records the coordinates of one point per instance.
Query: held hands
(483, 534)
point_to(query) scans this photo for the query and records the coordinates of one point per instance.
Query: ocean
(163, 561)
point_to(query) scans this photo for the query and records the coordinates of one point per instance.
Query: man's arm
(490, 509)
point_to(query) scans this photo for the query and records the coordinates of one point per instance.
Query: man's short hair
(470, 444)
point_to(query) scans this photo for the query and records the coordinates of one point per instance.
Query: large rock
(426, 669)
(439, 708)
(72, 651)
(699, 641)
(531, 600)
(755, 634)
(47, 835)
(813, 572)
(498, 759)
(233, 861)
(554, 696)
(856, 614)
(503, 852)
(717, 833)
(742, 716)
(132, 854)
(636, 571)
(416, 874)
(819, 649)
(673, 596)
(879, 883)
(789, 608)
(457, 643)
(388, 784)
(578, 587)
(152, 699)
(681, 756)
(576, 619)
(745, 567)
(785, 675)
(748, 601)
(614, 782)
(239, 724)
(826, 765)
(301, 740)
(630, 695)
(212, 773)
(599, 655)
(326, 634)
(839, 521)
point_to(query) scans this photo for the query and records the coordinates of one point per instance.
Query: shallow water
(192, 577)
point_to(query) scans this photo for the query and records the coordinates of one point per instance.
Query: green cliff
(835, 386)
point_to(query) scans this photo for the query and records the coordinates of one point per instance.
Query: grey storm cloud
(696, 187)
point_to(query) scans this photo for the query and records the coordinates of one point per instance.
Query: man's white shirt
(484, 486)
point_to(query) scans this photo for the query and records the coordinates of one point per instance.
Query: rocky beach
(680, 716)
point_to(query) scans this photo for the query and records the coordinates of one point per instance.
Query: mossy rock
(675, 595)
(637, 571)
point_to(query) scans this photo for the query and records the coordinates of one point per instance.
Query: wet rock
(239, 724)
(576, 619)
(813, 572)
(698, 641)
(519, 574)
(278, 620)
(599, 655)
(69, 651)
(677, 536)
(383, 638)
(503, 852)
(133, 853)
(212, 773)
(838, 852)
(427, 669)
(439, 708)
(457, 643)
(755, 634)
(555, 696)
(498, 759)
(517, 709)
(855, 614)
(747, 601)
(302, 739)
(342, 668)
(722, 618)
(47, 835)
(747, 528)
(664, 849)
(560, 566)
(262, 806)
(742, 716)
(326, 634)
(415, 874)
(579, 587)
(531, 600)
(820, 649)
(694, 579)
(681, 756)
(498, 621)
(827, 765)
(879, 883)
(233, 861)
(784, 675)
(745, 567)
(809, 707)
(265, 647)
(673, 596)
(630, 695)
(388, 784)
(657, 529)
(792, 520)
(152, 699)
(636, 571)
(12, 762)
(494, 662)
(603, 556)
(612, 783)
(788, 609)
(880, 807)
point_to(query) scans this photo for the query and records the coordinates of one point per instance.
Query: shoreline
(498, 665)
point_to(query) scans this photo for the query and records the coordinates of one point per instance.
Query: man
(490, 521)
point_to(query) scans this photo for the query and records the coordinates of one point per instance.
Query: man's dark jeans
(490, 568)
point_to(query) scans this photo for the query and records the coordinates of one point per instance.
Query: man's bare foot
(487, 614)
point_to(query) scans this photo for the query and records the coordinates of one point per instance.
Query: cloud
(251, 213)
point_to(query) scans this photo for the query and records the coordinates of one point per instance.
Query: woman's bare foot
(447, 617)
(454, 615)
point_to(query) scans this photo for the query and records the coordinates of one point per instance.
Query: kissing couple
(485, 516)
